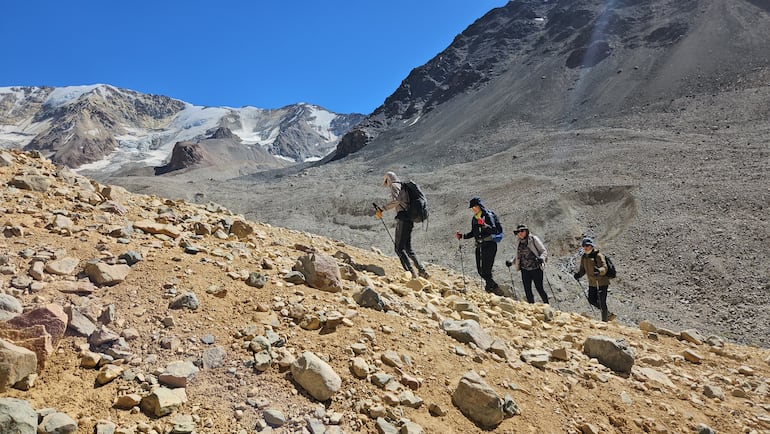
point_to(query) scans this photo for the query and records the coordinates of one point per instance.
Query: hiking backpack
(417, 211)
(497, 236)
(611, 272)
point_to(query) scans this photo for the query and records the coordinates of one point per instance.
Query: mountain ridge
(101, 128)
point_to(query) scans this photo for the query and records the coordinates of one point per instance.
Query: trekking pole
(577, 255)
(585, 294)
(513, 287)
(550, 287)
(377, 208)
(462, 266)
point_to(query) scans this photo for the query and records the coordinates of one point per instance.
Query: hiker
(399, 200)
(483, 226)
(594, 266)
(530, 259)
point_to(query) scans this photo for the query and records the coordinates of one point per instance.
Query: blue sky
(346, 56)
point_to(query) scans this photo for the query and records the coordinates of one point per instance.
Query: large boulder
(467, 331)
(9, 307)
(478, 401)
(315, 376)
(320, 271)
(106, 275)
(50, 316)
(612, 353)
(17, 416)
(16, 363)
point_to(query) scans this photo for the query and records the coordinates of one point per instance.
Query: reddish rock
(34, 338)
(51, 316)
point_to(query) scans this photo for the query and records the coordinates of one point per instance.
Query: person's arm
(581, 271)
(395, 197)
(601, 265)
(542, 251)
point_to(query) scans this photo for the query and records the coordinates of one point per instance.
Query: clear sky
(344, 55)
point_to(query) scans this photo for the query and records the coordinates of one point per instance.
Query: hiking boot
(496, 290)
(414, 275)
(424, 274)
(611, 317)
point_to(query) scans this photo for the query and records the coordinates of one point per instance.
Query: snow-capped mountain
(104, 129)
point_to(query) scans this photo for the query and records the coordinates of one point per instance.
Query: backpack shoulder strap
(601, 257)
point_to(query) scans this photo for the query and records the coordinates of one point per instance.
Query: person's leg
(401, 242)
(537, 277)
(603, 302)
(408, 227)
(593, 296)
(488, 252)
(526, 282)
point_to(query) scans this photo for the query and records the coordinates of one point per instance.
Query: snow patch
(62, 96)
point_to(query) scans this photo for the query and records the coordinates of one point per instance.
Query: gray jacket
(535, 246)
(399, 197)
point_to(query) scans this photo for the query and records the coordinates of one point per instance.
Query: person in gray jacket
(530, 259)
(399, 200)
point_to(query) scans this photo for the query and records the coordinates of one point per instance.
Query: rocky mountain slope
(568, 64)
(655, 143)
(185, 318)
(105, 129)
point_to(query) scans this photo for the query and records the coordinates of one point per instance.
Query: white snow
(414, 121)
(281, 157)
(254, 126)
(64, 95)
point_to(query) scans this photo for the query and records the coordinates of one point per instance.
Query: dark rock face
(515, 47)
(184, 155)
(222, 133)
(350, 143)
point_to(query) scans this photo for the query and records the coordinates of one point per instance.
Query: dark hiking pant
(404, 245)
(529, 276)
(598, 298)
(485, 259)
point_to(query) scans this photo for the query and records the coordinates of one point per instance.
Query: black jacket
(482, 229)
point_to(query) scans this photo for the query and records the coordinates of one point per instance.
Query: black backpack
(417, 211)
(611, 272)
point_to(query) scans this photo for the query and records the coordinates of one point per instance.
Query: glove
(508, 263)
(540, 261)
(576, 276)
(458, 235)
(378, 214)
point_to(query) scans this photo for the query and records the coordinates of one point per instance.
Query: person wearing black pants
(594, 266)
(483, 226)
(404, 246)
(530, 258)
(399, 200)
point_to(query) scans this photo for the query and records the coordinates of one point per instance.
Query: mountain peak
(104, 128)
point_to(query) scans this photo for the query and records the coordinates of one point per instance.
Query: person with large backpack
(406, 215)
(594, 265)
(485, 230)
(530, 259)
